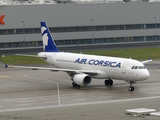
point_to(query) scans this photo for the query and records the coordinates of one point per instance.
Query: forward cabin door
(124, 66)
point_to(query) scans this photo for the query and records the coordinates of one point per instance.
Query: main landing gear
(108, 82)
(75, 85)
(131, 87)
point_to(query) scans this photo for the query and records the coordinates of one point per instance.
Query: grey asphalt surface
(33, 95)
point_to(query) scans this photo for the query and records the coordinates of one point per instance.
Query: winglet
(48, 41)
(6, 66)
(146, 61)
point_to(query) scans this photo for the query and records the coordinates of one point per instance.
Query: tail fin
(48, 42)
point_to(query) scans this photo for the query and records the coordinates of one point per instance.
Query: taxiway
(45, 95)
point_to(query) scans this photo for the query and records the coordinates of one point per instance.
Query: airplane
(83, 68)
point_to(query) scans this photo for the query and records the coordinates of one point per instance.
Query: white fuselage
(106, 67)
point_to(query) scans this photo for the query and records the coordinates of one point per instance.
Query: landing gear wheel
(131, 88)
(108, 82)
(74, 84)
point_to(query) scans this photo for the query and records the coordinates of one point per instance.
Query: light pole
(92, 31)
(156, 28)
(24, 34)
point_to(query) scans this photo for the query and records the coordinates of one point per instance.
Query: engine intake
(82, 79)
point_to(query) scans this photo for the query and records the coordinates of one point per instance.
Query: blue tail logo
(48, 42)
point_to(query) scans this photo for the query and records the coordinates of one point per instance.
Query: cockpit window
(138, 67)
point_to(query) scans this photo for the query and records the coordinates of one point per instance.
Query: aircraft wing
(146, 61)
(54, 69)
(30, 56)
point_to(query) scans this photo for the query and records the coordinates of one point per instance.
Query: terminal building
(78, 23)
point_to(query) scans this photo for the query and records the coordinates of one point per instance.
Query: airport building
(78, 23)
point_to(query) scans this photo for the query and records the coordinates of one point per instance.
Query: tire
(106, 82)
(74, 84)
(131, 88)
(110, 82)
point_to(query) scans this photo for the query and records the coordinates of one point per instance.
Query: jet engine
(82, 79)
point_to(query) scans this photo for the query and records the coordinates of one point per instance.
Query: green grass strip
(137, 53)
(21, 60)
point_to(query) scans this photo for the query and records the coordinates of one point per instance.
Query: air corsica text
(98, 62)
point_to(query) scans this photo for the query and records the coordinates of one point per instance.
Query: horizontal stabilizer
(29, 55)
(6, 66)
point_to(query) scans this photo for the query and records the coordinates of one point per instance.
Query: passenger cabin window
(138, 67)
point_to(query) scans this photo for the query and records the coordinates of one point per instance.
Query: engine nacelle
(82, 79)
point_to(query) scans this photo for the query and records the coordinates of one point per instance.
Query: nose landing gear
(131, 87)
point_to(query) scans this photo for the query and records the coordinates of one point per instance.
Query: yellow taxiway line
(4, 76)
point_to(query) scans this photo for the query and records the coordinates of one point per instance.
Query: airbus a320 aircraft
(82, 68)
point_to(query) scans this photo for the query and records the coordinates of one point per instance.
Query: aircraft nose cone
(146, 74)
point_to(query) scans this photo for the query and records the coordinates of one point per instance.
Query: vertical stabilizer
(48, 42)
